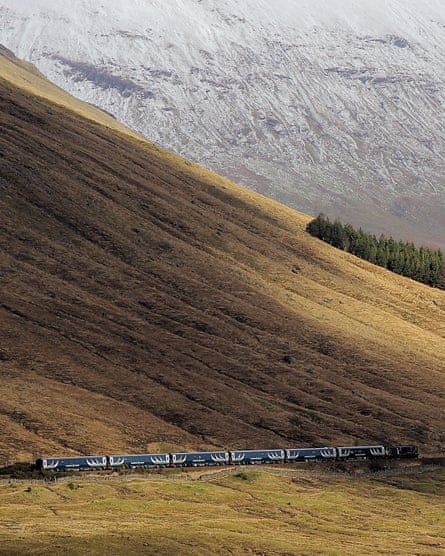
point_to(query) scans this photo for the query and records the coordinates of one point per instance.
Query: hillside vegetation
(423, 264)
(149, 304)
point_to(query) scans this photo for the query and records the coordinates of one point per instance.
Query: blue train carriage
(404, 451)
(251, 457)
(360, 452)
(310, 454)
(76, 463)
(131, 461)
(199, 459)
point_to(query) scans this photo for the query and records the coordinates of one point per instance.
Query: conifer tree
(422, 264)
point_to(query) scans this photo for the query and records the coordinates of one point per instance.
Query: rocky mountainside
(148, 304)
(333, 106)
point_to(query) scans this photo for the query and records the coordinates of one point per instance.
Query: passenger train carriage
(361, 452)
(77, 463)
(139, 460)
(199, 459)
(310, 454)
(250, 457)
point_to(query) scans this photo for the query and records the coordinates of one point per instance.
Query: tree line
(423, 264)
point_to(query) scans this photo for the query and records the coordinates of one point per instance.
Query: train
(225, 458)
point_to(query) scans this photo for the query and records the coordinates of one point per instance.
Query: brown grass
(251, 512)
(145, 300)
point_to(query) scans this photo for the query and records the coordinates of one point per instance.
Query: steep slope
(146, 302)
(325, 105)
(26, 75)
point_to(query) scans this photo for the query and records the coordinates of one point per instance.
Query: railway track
(422, 465)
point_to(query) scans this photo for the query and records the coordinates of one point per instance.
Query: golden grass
(251, 512)
(61, 411)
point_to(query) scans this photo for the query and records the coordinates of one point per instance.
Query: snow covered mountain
(327, 105)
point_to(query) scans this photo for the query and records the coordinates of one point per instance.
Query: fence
(184, 476)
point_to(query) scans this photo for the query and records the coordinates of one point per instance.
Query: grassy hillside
(247, 513)
(24, 75)
(147, 303)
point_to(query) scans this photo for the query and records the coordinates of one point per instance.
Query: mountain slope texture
(147, 303)
(331, 106)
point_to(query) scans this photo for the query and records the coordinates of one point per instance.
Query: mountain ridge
(326, 106)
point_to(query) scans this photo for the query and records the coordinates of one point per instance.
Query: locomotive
(218, 458)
